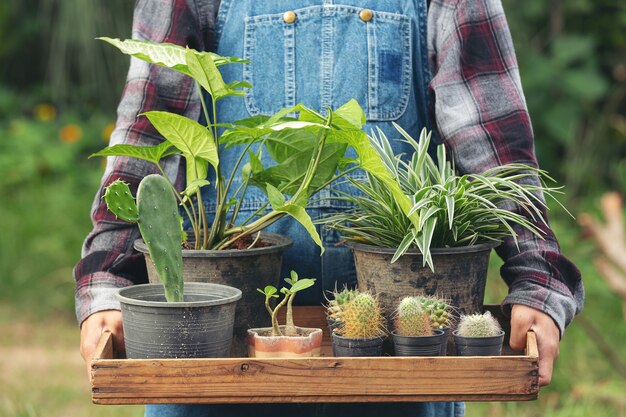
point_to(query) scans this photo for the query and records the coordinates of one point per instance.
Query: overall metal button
(366, 15)
(289, 17)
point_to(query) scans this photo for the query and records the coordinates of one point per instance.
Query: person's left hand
(523, 319)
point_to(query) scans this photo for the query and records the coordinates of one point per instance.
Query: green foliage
(573, 69)
(46, 188)
(295, 285)
(478, 325)
(362, 318)
(412, 319)
(437, 208)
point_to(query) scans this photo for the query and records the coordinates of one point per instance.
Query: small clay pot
(261, 343)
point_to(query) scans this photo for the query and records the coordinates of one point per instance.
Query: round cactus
(362, 318)
(412, 319)
(439, 311)
(478, 325)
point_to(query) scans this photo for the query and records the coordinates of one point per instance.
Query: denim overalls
(323, 53)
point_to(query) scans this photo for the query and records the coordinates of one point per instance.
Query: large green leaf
(205, 72)
(191, 138)
(300, 214)
(165, 54)
(149, 153)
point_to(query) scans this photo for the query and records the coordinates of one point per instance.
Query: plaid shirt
(478, 107)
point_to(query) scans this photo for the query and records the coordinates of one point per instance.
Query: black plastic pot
(418, 345)
(246, 269)
(478, 346)
(445, 341)
(345, 346)
(199, 327)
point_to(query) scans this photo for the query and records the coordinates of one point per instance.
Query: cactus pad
(159, 223)
(121, 202)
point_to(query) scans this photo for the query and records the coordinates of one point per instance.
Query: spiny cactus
(362, 318)
(478, 325)
(439, 311)
(156, 212)
(335, 306)
(412, 319)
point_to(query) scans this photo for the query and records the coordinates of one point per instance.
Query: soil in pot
(479, 346)
(199, 327)
(261, 343)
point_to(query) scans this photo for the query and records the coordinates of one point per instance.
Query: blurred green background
(58, 94)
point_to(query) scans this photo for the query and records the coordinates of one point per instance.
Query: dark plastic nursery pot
(478, 346)
(199, 327)
(418, 345)
(345, 346)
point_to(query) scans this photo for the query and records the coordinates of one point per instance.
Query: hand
(93, 327)
(523, 319)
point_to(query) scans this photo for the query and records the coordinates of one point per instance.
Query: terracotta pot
(261, 344)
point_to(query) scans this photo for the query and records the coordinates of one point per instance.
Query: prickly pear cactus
(478, 325)
(439, 311)
(159, 223)
(412, 319)
(121, 202)
(362, 318)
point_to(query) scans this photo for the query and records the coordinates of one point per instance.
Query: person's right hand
(93, 327)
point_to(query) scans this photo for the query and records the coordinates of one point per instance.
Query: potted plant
(478, 335)
(306, 152)
(414, 334)
(417, 224)
(362, 329)
(174, 319)
(289, 340)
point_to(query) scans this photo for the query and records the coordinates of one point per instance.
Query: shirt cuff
(560, 307)
(97, 292)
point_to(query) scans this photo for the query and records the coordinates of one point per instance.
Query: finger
(548, 347)
(520, 324)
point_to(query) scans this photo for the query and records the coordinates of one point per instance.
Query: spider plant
(447, 209)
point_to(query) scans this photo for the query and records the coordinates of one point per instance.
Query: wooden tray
(513, 377)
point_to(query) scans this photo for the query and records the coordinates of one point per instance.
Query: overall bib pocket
(322, 56)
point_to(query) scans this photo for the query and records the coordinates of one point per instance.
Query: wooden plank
(324, 379)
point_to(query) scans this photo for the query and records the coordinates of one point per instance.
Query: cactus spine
(478, 325)
(412, 319)
(362, 318)
(334, 307)
(156, 212)
(439, 311)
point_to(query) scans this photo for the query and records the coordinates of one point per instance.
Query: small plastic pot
(346, 346)
(478, 346)
(418, 345)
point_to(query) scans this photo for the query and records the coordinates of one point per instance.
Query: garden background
(58, 94)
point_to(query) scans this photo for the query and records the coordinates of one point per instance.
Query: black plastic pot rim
(363, 339)
(434, 251)
(279, 243)
(434, 337)
(223, 295)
